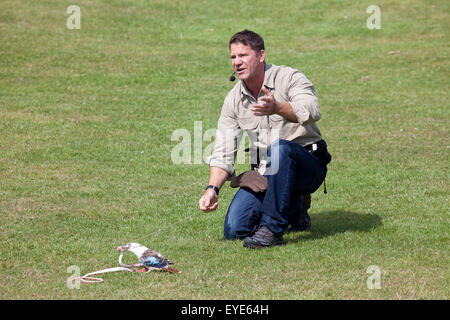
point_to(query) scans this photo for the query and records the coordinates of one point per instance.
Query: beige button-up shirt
(286, 85)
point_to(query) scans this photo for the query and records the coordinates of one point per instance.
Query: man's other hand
(208, 202)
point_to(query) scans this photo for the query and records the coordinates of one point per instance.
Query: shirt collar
(268, 77)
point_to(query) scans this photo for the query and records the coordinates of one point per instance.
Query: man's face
(245, 61)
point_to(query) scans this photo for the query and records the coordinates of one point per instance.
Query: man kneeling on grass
(278, 108)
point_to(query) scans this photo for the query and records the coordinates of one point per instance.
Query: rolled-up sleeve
(302, 97)
(228, 136)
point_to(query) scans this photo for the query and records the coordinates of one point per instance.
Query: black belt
(319, 145)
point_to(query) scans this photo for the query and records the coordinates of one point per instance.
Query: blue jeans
(298, 172)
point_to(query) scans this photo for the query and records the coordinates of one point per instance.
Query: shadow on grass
(329, 223)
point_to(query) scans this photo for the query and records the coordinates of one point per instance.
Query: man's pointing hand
(266, 105)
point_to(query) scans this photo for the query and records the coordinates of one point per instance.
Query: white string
(87, 279)
(123, 267)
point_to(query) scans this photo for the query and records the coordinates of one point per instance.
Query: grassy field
(86, 119)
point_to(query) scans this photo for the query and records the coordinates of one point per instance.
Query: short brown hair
(248, 38)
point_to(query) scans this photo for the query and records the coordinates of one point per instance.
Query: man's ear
(262, 56)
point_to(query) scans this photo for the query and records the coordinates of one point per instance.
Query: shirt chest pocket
(248, 123)
(275, 118)
(276, 121)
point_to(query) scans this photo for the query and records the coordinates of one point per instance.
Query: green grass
(86, 118)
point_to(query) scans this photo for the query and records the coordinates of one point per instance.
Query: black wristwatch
(212, 187)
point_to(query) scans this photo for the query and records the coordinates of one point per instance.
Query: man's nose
(237, 61)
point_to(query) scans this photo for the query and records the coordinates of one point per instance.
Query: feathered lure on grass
(148, 258)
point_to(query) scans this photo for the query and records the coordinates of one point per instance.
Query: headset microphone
(232, 78)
